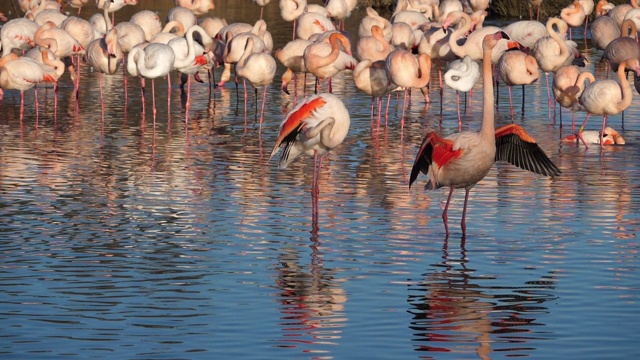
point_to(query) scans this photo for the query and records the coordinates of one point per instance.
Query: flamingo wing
(293, 124)
(436, 149)
(515, 146)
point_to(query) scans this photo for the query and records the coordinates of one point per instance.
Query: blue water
(119, 240)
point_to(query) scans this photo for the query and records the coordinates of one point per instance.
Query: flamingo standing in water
(372, 78)
(313, 127)
(291, 10)
(463, 159)
(259, 68)
(150, 62)
(23, 73)
(104, 56)
(518, 68)
(408, 72)
(609, 97)
(461, 75)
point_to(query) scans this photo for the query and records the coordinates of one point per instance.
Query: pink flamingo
(518, 68)
(461, 75)
(610, 137)
(18, 34)
(23, 73)
(315, 126)
(259, 69)
(291, 10)
(407, 71)
(325, 59)
(372, 78)
(104, 56)
(150, 62)
(198, 7)
(609, 97)
(463, 159)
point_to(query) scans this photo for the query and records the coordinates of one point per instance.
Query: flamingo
(311, 23)
(373, 78)
(150, 62)
(624, 47)
(262, 4)
(148, 21)
(552, 51)
(373, 47)
(610, 137)
(315, 126)
(603, 30)
(292, 57)
(212, 25)
(259, 69)
(526, 32)
(23, 73)
(537, 4)
(340, 10)
(620, 11)
(183, 15)
(189, 58)
(325, 59)
(472, 46)
(568, 84)
(104, 56)
(77, 4)
(291, 10)
(573, 15)
(462, 75)
(17, 34)
(114, 5)
(607, 97)
(518, 68)
(408, 72)
(198, 7)
(373, 18)
(463, 159)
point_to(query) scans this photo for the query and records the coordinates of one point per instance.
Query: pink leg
(264, 99)
(101, 98)
(445, 217)
(404, 105)
(142, 91)
(459, 117)
(168, 94)
(153, 99)
(463, 223)
(188, 105)
(510, 102)
(582, 129)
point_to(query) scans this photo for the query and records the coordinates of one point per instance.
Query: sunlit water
(120, 240)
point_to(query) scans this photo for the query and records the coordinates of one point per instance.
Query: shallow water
(124, 240)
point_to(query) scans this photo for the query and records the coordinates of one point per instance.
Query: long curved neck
(584, 76)
(105, 14)
(424, 67)
(629, 29)
(488, 129)
(453, 39)
(625, 88)
(377, 34)
(135, 61)
(531, 64)
(333, 55)
(248, 50)
(191, 50)
(554, 35)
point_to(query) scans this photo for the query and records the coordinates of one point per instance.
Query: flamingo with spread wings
(463, 159)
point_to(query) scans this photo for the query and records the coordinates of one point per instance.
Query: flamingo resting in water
(462, 159)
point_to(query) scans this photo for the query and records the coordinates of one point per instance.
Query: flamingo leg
(142, 91)
(445, 217)
(582, 129)
(510, 103)
(264, 99)
(459, 117)
(101, 97)
(463, 222)
(404, 106)
(604, 124)
(153, 99)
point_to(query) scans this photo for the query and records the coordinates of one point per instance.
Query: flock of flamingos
(390, 55)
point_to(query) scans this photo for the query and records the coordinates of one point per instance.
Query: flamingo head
(611, 137)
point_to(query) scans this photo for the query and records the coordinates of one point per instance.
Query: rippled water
(120, 240)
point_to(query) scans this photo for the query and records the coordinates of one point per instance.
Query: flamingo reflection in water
(458, 310)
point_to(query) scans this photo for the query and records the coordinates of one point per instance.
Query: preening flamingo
(573, 15)
(198, 7)
(104, 56)
(609, 137)
(608, 97)
(324, 58)
(340, 10)
(23, 73)
(463, 159)
(77, 4)
(373, 78)
(568, 84)
(258, 68)
(461, 75)
(526, 32)
(150, 61)
(373, 47)
(407, 71)
(262, 4)
(472, 46)
(291, 10)
(313, 127)
(373, 18)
